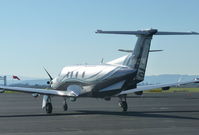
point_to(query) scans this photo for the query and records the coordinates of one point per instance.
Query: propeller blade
(48, 74)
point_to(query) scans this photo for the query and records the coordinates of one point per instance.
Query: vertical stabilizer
(140, 55)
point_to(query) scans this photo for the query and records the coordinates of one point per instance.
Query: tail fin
(140, 54)
(138, 59)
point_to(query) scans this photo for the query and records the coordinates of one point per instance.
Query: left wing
(150, 87)
(41, 91)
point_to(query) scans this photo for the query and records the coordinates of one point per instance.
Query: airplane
(118, 77)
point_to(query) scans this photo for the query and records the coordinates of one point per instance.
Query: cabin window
(76, 75)
(71, 75)
(67, 75)
(83, 74)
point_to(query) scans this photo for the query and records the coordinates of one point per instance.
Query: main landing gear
(122, 103)
(48, 105)
(65, 106)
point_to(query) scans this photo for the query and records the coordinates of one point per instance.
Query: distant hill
(30, 82)
(24, 80)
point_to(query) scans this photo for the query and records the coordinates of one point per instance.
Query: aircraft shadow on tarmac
(143, 114)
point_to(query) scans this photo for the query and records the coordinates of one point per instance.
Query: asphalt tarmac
(151, 114)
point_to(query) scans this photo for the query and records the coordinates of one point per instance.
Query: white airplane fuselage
(93, 80)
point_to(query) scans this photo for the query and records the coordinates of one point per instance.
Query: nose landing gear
(47, 104)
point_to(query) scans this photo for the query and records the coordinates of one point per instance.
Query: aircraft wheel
(49, 108)
(65, 107)
(123, 105)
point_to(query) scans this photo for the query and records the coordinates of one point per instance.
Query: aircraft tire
(65, 107)
(123, 105)
(49, 108)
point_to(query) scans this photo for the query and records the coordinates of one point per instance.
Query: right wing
(41, 91)
(150, 87)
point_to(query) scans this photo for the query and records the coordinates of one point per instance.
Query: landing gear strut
(122, 103)
(65, 106)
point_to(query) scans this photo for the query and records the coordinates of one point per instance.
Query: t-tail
(139, 57)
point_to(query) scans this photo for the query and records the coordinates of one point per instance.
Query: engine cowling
(139, 93)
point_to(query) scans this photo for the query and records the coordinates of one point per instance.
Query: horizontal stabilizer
(130, 51)
(176, 33)
(147, 32)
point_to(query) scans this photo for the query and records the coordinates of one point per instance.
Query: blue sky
(57, 33)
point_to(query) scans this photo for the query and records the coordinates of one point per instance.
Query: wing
(41, 91)
(150, 87)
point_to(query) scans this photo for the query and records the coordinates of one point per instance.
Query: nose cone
(54, 83)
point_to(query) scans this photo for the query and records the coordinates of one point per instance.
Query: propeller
(48, 82)
(47, 98)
